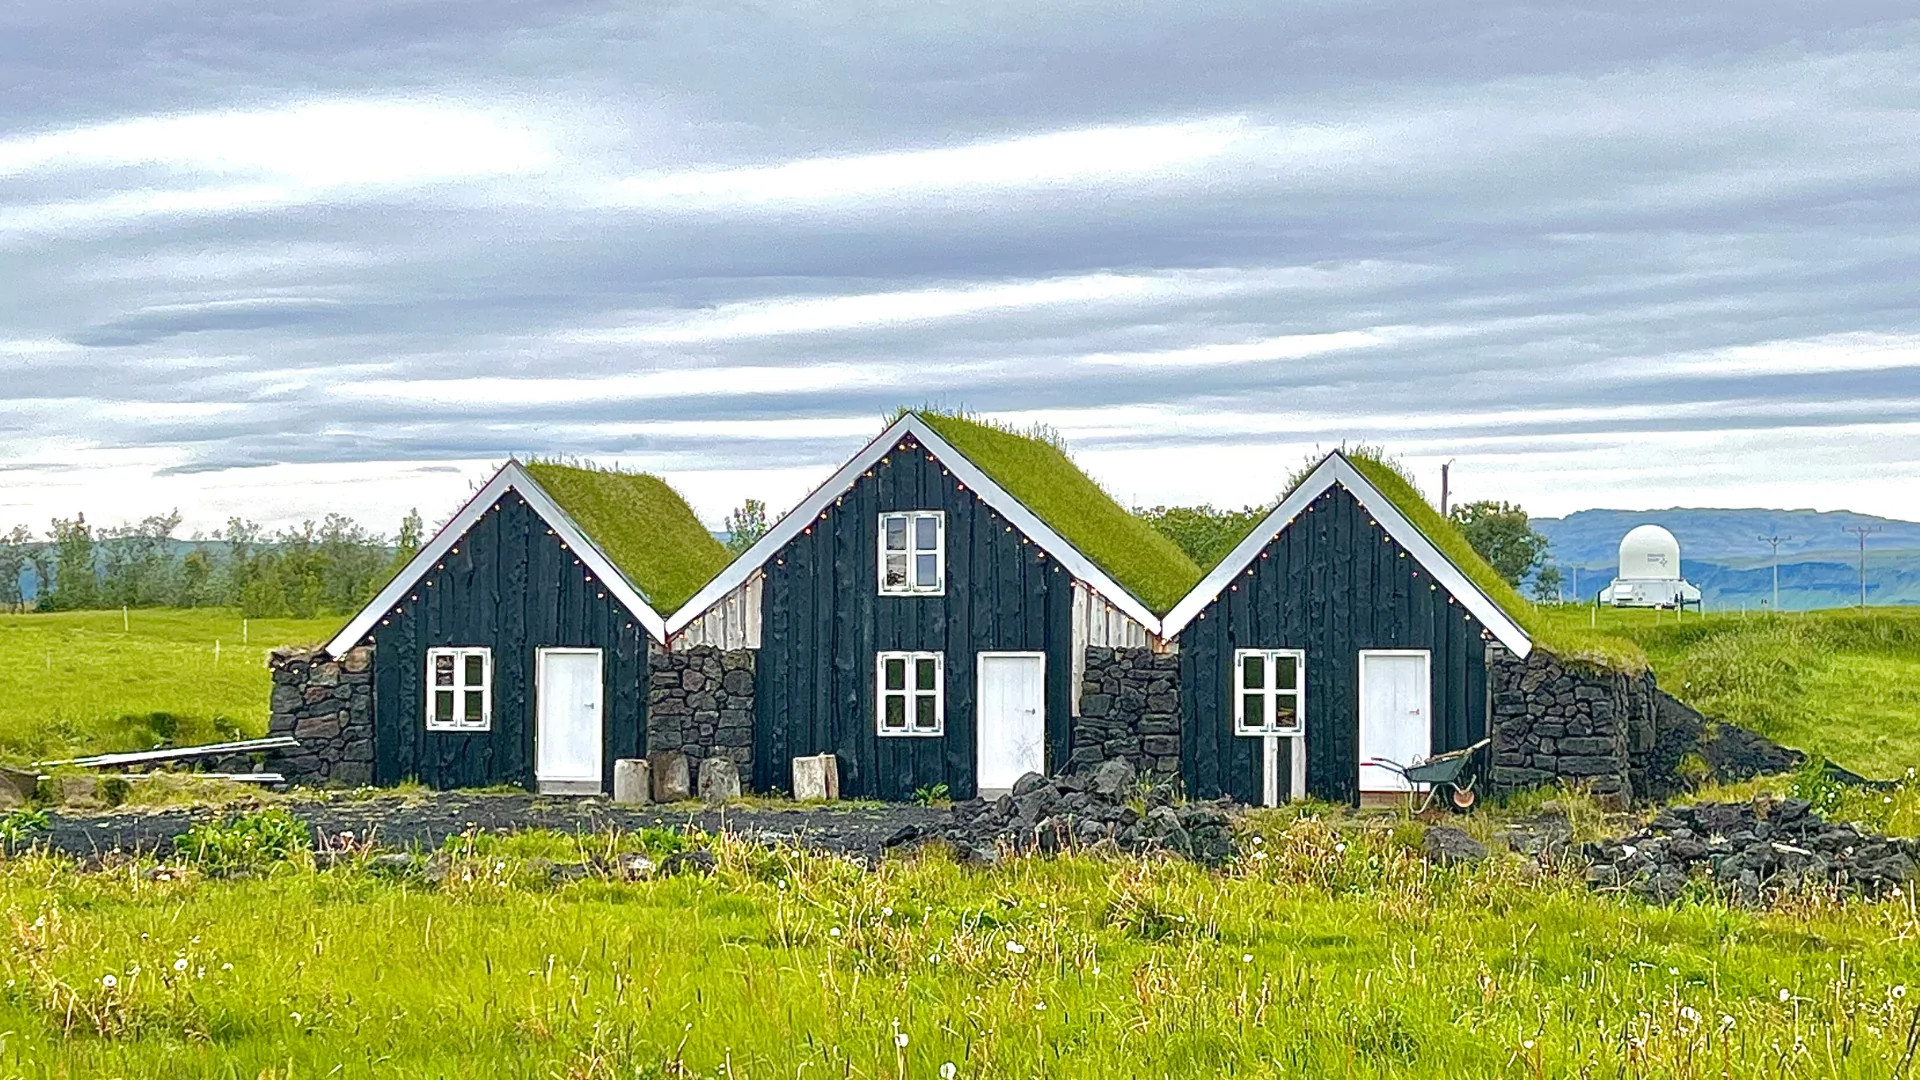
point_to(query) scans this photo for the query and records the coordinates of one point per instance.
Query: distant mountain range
(1721, 552)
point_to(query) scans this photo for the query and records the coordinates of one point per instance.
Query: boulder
(719, 780)
(671, 783)
(632, 781)
(816, 778)
(1113, 780)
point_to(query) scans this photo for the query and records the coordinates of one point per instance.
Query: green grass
(78, 682)
(642, 524)
(1337, 953)
(1841, 683)
(1039, 473)
(1563, 638)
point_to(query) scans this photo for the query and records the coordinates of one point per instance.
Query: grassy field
(1844, 683)
(1332, 951)
(85, 682)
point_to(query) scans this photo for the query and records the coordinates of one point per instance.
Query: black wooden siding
(1332, 583)
(823, 620)
(513, 587)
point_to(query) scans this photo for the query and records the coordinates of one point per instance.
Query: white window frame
(939, 552)
(1271, 692)
(457, 722)
(910, 695)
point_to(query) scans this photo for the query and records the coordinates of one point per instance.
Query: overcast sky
(348, 256)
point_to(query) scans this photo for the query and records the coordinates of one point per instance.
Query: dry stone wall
(1556, 722)
(1129, 711)
(700, 702)
(327, 704)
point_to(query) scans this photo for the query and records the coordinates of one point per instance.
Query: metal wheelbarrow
(1452, 773)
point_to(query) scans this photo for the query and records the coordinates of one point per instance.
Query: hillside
(1840, 683)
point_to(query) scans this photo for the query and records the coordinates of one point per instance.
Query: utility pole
(1862, 531)
(1445, 466)
(1776, 540)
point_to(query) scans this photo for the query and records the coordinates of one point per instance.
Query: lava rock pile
(1749, 853)
(1063, 812)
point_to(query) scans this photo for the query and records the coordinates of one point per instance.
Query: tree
(1546, 585)
(16, 549)
(1502, 535)
(76, 574)
(1204, 533)
(746, 525)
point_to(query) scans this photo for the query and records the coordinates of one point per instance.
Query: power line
(1862, 531)
(1776, 540)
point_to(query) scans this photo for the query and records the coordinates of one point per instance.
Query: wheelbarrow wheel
(1462, 798)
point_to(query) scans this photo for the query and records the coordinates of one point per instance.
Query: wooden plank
(177, 753)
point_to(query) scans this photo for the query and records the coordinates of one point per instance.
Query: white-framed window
(459, 689)
(913, 553)
(910, 695)
(1270, 691)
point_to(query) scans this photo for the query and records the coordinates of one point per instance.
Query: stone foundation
(700, 702)
(1129, 711)
(327, 704)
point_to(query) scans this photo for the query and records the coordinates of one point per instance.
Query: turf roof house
(1352, 623)
(924, 614)
(514, 647)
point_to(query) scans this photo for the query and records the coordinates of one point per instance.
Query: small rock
(395, 863)
(903, 835)
(1028, 783)
(633, 866)
(689, 862)
(1113, 780)
(1449, 846)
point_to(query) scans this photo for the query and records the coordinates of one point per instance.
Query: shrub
(251, 840)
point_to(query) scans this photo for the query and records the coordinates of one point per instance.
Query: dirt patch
(424, 822)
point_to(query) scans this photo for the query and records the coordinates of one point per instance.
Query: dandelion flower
(886, 913)
(1340, 848)
(1687, 1013)
(933, 958)
(1258, 840)
(1246, 958)
(900, 1039)
(180, 964)
(226, 967)
(109, 981)
(1259, 855)
(1040, 1006)
(1726, 1021)
(835, 932)
(1527, 1045)
(1900, 991)
(948, 1071)
(1016, 948)
(1786, 994)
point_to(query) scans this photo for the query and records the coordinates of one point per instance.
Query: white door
(1396, 714)
(1011, 719)
(568, 736)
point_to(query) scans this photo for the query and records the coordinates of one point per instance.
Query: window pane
(926, 533)
(924, 677)
(896, 673)
(476, 670)
(443, 704)
(896, 712)
(896, 572)
(896, 532)
(443, 670)
(1253, 672)
(926, 572)
(1253, 710)
(1284, 673)
(474, 712)
(923, 717)
(1287, 717)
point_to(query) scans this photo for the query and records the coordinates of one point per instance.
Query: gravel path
(426, 821)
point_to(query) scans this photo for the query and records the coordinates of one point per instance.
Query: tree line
(332, 567)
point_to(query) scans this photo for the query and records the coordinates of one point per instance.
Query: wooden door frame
(979, 687)
(597, 785)
(1360, 706)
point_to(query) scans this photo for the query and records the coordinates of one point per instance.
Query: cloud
(1592, 255)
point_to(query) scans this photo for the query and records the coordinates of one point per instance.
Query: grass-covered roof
(1566, 642)
(1034, 469)
(642, 524)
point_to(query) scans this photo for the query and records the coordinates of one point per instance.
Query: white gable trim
(1337, 470)
(511, 477)
(966, 472)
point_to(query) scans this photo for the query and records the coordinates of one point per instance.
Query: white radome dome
(1649, 552)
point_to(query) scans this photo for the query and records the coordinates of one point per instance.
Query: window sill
(460, 729)
(911, 734)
